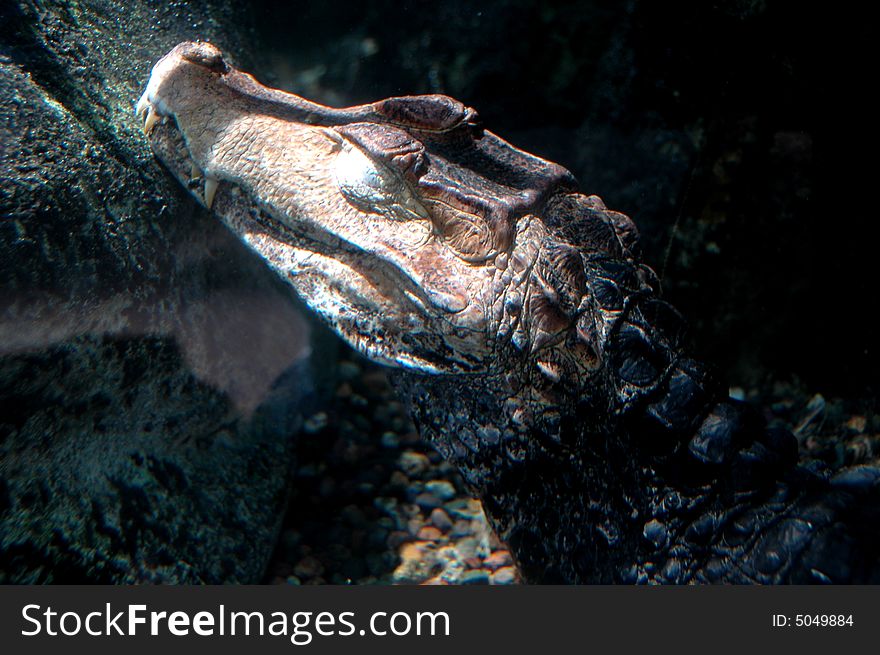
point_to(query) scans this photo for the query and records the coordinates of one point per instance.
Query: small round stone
(429, 533)
(442, 489)
(504, 575)
(398, 480)
(315, 423)
(440, 519)
(415, 524)
(461, 528)
(498, 559)
(428, 501)
(413, 463)
(308, 567)
(464, 508)
(475, 576)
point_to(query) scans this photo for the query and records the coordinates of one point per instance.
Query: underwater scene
(490, 293)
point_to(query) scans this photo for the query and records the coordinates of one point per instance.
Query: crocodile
(520, 324)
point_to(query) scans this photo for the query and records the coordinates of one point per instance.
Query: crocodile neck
(590, 502)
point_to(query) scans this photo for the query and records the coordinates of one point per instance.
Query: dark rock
(151, 369)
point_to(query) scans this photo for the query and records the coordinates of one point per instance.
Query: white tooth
(150, 122)
(142, 106)
(194, 172)
(210, 190)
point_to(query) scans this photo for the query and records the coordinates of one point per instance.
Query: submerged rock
(152, 371)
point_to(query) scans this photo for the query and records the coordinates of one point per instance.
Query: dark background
(734, 133)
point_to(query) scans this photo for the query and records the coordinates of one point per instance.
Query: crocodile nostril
(205, 54)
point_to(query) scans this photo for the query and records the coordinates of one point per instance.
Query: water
(152, 370)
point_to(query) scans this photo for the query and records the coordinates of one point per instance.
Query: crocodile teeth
(211, 185)
(151, 120)
(142, 106)
(194, 171)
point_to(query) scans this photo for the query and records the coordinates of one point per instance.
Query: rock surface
(152, 371)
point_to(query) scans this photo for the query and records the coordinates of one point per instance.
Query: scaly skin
(527, 336)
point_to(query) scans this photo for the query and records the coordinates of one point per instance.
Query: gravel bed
(371, 503)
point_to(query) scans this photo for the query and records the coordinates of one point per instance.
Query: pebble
(315, 423)
(440, 519)
(428, 501)
(308, 567)
(411, 551)
(429, 533)
(466, 508)
(462, 528)
(468, 547)
(475, 576)
(413, 463)
(386, 504)
(415, 524)
(398, 480)
(441, 489)
(390, 440)
(415, 563)
(436, 580)
(498, 559)
(504, 575)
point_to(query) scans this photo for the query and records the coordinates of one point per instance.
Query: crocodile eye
(469, 236)
(373, 188)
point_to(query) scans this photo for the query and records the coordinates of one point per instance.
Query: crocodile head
(531, 340)
(425, 241)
